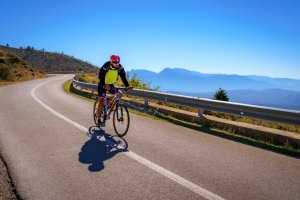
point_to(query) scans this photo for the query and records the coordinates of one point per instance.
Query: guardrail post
(203, 119)
(146, 102)
(201, 112)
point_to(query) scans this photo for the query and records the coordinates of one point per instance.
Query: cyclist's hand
(128, 88)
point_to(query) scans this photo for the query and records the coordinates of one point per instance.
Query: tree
(140, 84)
(221, 95)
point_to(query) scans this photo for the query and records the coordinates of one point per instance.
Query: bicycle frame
(115, 99)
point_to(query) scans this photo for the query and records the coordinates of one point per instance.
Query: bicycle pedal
(101, 124)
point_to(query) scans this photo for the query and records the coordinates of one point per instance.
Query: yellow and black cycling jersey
(109, 75)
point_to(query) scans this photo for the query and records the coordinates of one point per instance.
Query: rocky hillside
(50, 62)
(14, 69)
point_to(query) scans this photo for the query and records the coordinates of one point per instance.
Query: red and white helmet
(114, 59)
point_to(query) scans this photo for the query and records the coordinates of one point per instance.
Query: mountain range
(257, 90)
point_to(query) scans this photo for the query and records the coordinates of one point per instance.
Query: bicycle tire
(95, 111)
(121, 118)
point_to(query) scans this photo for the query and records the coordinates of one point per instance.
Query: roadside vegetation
(87, 78)
(222, 96)
(228, 134)
(13, 69)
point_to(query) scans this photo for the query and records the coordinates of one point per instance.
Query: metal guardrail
(260, 112)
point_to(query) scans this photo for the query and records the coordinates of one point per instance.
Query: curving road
(53, 152)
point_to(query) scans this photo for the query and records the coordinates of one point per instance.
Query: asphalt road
(53, 152)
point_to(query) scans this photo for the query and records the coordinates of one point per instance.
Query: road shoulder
(7, 190)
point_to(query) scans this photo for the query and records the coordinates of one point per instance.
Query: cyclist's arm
(102, 73)
(123, 77)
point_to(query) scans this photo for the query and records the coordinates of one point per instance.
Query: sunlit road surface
(54, 151)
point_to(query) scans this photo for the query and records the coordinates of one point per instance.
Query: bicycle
(120, 116)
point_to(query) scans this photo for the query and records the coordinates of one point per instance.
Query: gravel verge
(7, 190)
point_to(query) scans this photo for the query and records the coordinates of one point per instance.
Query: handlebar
(124, 88)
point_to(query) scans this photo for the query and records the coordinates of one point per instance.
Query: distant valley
(257, 90)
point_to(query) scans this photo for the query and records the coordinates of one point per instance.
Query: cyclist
(108, 75)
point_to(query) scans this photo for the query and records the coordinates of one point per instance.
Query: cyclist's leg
(113, 90)
(101, 96)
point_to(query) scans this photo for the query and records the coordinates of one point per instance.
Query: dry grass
(13, 69)
(87, 78)
(237, 118)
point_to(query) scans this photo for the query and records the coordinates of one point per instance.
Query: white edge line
(187, 184)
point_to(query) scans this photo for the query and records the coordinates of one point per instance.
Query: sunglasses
(116, 63)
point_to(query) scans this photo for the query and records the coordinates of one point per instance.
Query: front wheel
(121, 120)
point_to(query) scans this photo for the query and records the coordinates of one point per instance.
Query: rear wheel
(95, 112)
(121, 120)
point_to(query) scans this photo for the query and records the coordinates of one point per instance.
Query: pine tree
(221, 95)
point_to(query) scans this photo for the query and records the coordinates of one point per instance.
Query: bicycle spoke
(121, 120)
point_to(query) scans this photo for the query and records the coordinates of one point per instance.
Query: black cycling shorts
(102, 91)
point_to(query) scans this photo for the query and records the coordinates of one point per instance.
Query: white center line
(178, 179)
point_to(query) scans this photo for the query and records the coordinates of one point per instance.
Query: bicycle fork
(120, 119)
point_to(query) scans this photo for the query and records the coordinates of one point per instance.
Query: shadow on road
(100, 147)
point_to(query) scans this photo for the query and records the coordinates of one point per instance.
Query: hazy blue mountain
(292, 84)
(257, 90)
(277, 98)
(178, 79)
(145, 75)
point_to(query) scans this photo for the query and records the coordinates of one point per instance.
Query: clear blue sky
(247, 37)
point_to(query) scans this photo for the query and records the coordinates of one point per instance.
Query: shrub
(5, 73)
(140, 84)
(2, 60)
(81, 79)
(14, 60)
(23, 63)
